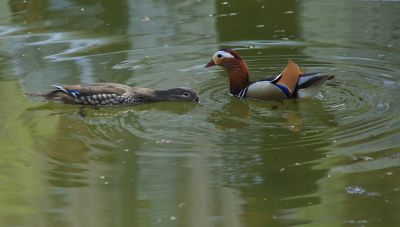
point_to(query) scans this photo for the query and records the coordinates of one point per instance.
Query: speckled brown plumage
(116, 94)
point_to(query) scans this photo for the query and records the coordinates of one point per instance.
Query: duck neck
(160, 95)
(148, 95)
(238, 76)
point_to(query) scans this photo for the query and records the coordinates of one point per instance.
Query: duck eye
(219, 56)
(186, 94)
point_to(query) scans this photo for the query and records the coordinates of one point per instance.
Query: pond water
(332, 160)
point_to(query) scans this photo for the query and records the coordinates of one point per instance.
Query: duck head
(237, 69)
(177, 94)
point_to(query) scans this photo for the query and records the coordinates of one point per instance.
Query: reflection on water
(331, 160)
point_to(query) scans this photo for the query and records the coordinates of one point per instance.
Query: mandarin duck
(291, 83)
(115, 94)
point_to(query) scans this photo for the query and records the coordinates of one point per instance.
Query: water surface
(332, 160)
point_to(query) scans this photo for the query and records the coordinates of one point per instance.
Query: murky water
(329, 161)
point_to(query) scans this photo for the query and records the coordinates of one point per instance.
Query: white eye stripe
(224, 54)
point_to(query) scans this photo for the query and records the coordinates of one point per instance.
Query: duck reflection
(237, 114)
(114, 111)
(271, 159)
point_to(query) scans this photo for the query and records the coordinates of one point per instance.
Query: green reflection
(223, 162)
(257, 20)
(23, 184)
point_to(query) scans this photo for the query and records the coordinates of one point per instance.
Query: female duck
(115, 94)
(291, 83)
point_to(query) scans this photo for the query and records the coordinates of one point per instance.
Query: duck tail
(38, 94)
(313, 79)
(56, 95)
(310, 83)
(57, 92)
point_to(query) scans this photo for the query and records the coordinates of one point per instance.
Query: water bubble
(355, 190)
(163, 141)
(373, 194)
(146, 19)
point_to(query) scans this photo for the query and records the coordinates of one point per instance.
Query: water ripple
(356, 112)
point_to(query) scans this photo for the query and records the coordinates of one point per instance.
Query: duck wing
(91, 94)
(310, 83)
(271, 79)
(306, 80)
(311, 79)
(93, 89)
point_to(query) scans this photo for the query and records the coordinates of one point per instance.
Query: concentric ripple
(366, 106)
(356, 109)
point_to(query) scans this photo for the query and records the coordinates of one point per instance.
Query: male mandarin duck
(291, 83)
(115, 94)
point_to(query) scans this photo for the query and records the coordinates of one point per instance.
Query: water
(328, 161)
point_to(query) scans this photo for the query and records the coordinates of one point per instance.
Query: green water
(333, 160)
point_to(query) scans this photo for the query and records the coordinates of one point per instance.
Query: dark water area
(332, 160)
